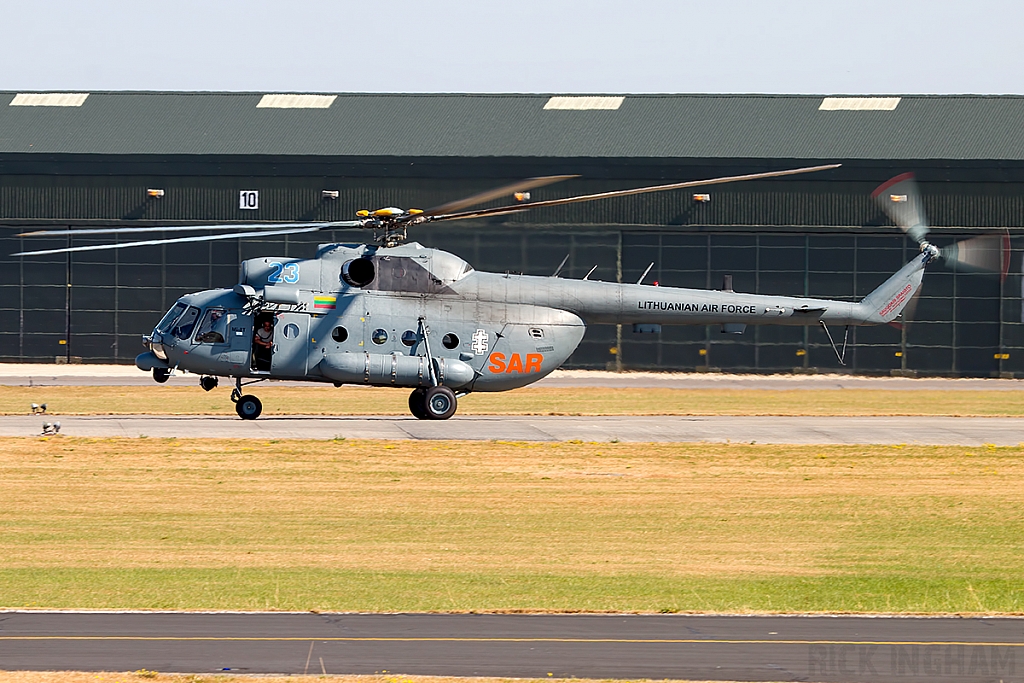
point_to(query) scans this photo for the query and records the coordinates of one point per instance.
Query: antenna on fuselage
(641, 280)
(590, 272)
(560, 266)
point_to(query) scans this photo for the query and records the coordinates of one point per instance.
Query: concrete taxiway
(739, 648)
(966, 431)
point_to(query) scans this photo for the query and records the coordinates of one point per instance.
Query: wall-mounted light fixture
(155, 193)
(330, 194)
(702, 198)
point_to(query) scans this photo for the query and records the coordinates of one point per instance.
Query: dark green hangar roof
(402, 125)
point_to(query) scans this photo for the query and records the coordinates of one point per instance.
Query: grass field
(319, 400)
(460, 526)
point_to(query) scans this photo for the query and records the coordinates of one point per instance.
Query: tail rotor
(900, 199)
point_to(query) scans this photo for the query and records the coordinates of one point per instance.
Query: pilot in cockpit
(210, 331)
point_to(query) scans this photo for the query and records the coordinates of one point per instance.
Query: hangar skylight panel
(583, 103)
(285, 101)
(49, 99)
(859, 104)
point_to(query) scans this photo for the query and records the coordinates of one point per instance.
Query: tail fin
(887, 301)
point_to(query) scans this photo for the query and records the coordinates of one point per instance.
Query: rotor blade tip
(890, 182)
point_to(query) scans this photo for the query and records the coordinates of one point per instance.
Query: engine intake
(358, 272)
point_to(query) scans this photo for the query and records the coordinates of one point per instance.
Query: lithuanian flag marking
(324, 301)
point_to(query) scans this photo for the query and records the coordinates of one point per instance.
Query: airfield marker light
(702, 197)
(330, 194)
(898, 198)
(521, 196)
(415, 212)
(156, 193)
(362, 213)
(801, 352)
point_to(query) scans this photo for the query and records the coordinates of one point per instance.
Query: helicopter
(392, 312)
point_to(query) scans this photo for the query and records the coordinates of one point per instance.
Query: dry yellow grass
(320, 400)
(468, 526)
(142, 676)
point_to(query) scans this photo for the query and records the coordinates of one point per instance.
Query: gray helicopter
(394, 313)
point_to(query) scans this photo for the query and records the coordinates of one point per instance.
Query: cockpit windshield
(183, 327)
(171, 316)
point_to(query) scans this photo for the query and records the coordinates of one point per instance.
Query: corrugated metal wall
(792, 237)
(781, 204)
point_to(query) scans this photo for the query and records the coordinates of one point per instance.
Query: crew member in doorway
(263, 345)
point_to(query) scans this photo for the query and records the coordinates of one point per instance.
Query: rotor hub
(930, 249)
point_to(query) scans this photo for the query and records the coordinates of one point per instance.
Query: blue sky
(721, 46)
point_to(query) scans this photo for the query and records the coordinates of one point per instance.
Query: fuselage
(363, 314)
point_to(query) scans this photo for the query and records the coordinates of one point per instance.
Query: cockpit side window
(186, 323)
(214, 329)
(171, 315)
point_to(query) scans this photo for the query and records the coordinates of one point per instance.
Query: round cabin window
(409, 337)
(339, 334)
(450, 341)
(379, 336)
(291, 331)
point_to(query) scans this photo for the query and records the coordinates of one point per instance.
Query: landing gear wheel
(418, 403)
(161, 375)
(248, 407)
(440, 403)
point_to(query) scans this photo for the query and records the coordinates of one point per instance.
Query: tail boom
(887, 302)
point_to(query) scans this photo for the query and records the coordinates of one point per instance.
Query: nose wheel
(433, 403)
(247, 406)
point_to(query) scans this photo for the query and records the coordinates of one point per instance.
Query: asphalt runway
(739, 648)
(965, 431)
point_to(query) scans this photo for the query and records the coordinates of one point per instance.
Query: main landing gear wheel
(161, 375)
(440, 403)
(248, 407)
(418, 403)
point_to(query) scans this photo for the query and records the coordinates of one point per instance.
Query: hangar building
(151, 158)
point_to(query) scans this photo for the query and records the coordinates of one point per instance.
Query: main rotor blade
(496, 193)
(498, 211)
(176, 240)
(900, 199)
(981, 254)
(183, 228)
